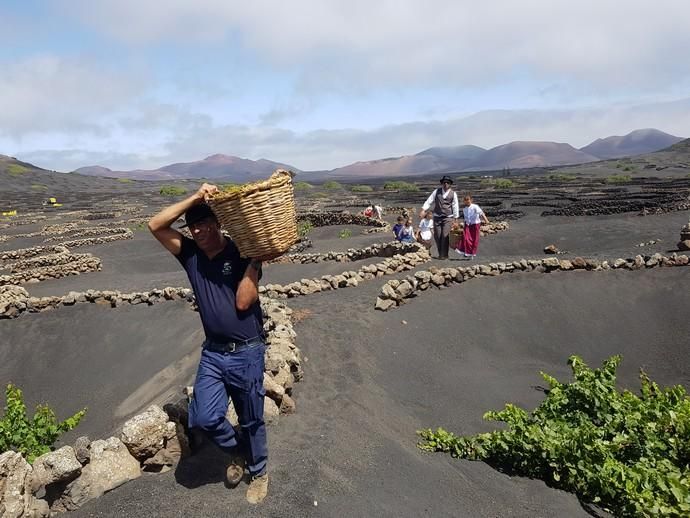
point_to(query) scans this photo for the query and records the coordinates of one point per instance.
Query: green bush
(618, 179)
(345, 233)
(624, 452)
(303, 186)
(125, 180)
(331, 185)
(172, 190)
(400, 186)
(137, 227)
(304, 227)
(39, 187)
(628, 168)
(362, 188)
(562, 177)
(500, 183)
(16, 169)
(229, 186)
(503, 183)
(31, 437)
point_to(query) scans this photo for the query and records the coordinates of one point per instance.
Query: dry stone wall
(84, 263)
(94, 231)
(391, 265)
(352, 254)
(395, 292)
(90, 241)
(46, 260)
(325, 219)
(58, 232)
(25, 253)
(39, 263)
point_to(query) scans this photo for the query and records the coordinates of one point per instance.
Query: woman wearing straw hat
(232, 361)
(443, 202)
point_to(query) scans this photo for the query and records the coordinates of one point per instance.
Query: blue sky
(319, 84)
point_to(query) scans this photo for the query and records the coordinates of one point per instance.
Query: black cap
(197, 213)
(446, 179)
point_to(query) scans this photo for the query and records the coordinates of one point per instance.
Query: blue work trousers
(239, 376)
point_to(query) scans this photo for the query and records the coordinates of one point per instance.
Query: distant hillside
(22, 177)
(218, 166)
(681, 147)
(435, 159)
(529, 154)
(635, 143)
(10, 166)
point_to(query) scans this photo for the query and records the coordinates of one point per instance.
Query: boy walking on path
(474, 216)
(444, 204)
(232, 360)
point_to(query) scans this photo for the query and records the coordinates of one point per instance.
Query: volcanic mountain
(634, 143)
(217, 166)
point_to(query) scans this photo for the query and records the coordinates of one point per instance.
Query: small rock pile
(648, 243)
(684, 243)
(372, 230)
(395, 291)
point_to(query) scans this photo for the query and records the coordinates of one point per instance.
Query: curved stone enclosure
(395, 292)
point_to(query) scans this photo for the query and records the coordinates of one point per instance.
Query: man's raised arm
(160, 224)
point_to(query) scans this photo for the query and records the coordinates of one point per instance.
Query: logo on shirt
(227, 269)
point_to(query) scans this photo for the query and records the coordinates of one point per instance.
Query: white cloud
(360, 44)
(48, 93)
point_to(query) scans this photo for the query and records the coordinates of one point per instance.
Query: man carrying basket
(232, 360)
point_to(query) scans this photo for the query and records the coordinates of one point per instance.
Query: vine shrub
(400, 186)
(304, 227)
(172, 190)
(618, 178)
(303, 186)
(31, 437)
(629, 454)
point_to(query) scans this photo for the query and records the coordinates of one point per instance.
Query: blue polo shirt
(215, 282)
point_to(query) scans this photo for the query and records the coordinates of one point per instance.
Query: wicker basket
(260, 217)
(454, 238)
